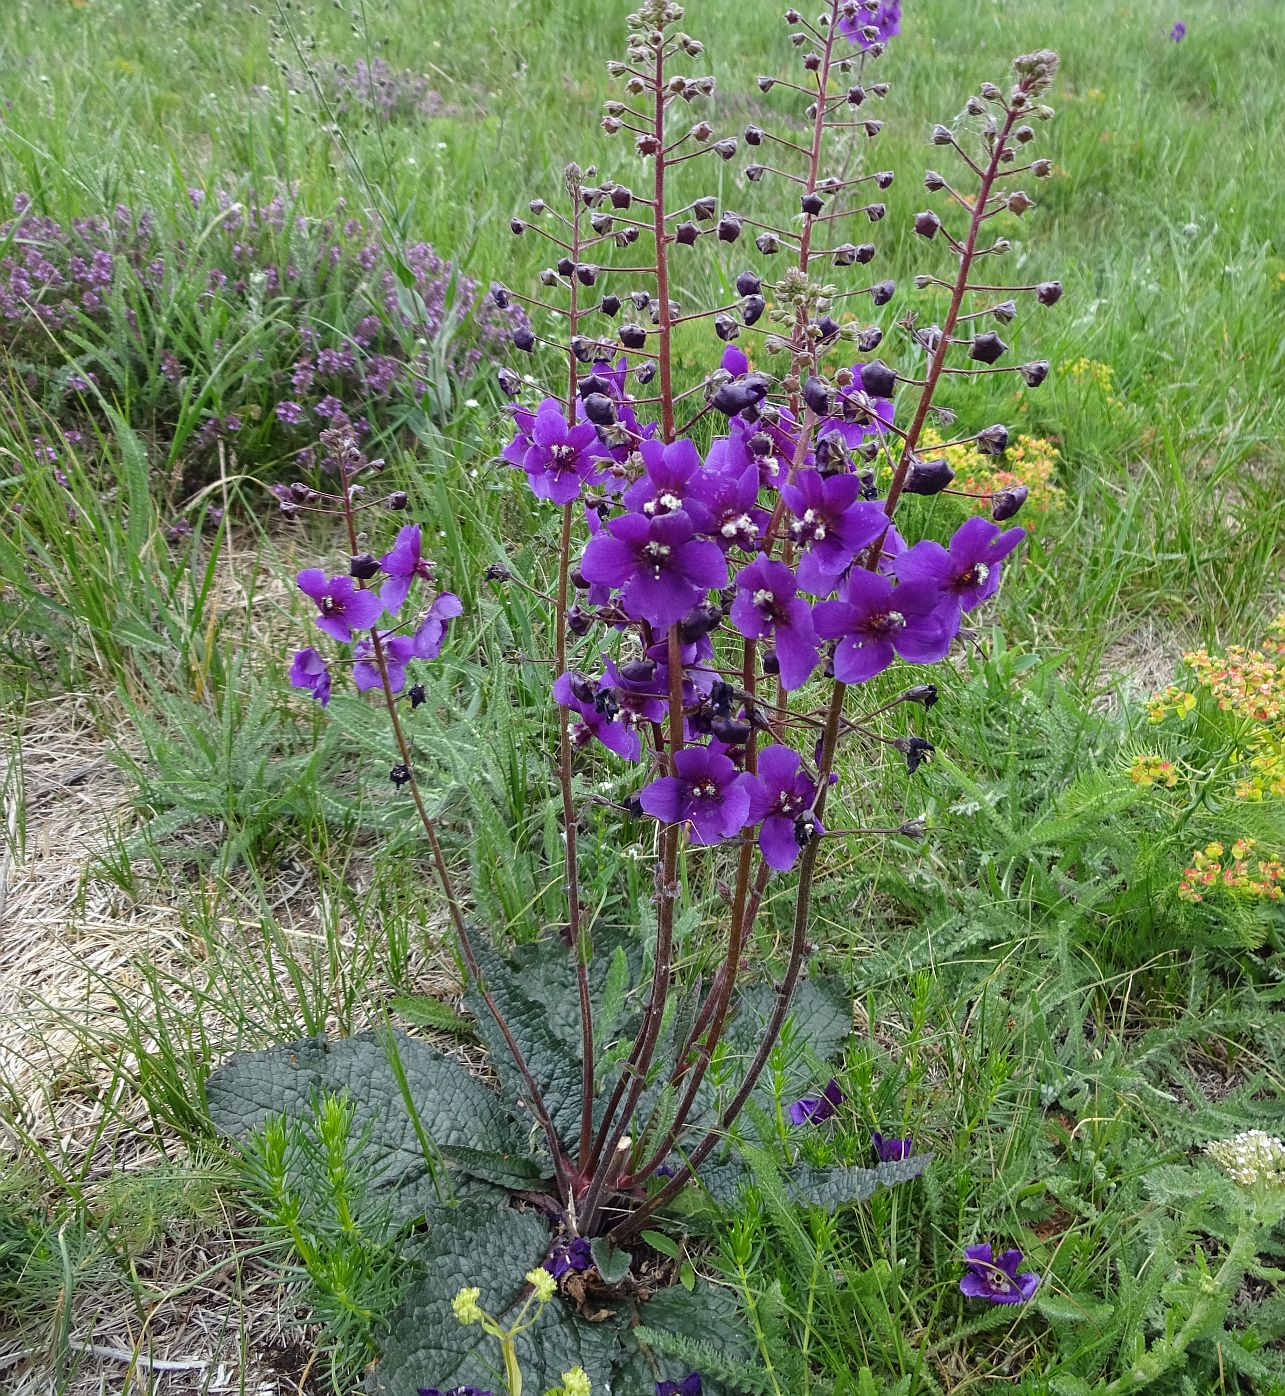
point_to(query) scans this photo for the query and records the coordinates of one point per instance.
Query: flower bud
(399, 499)
(699, 621)
(1035, 373)
(638, 671)
(610, 305)
(1019, 202)
(1042, 168)
(991, 92)
(726, 328)
(729, 227)
(974, 107)
(752, 308)
(755, 172)
(812, 62)
(704, 208)
(941, 135)
(766, 83)
(818, 396)
(882, 292)
(632, 336)
(362, 566)
(987, 347)
(827, 329)
(1024, 134)
(509, 382)
(1006, 503)
(496, 572)
(566, 267)
(400, 774)
(993, 441)
(869, 339)
(500, 296)
(878, 379)
(417, 695)
(927, 224)
(518, 226)
(587, 273)
(925, 693)
(856, 95)
(933, 182)
(1048, 292)
(928, 477)
(739, 395)
(1005, 312)
(753, 135)
(725, 148)
(600, 409)
(883, 179)
(875, 212)
(645, 372)
(811, 204)
(916, 751)
(731, 731)
(686, 234)
(768, 661)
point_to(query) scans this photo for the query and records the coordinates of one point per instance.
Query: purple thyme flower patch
(309, 671)
(767, 606)
(343, 605)
(875, 621)
(817, 1109)
(968, 570)
(660, 566)
(996, 1279)
(891, 1150)
(708, 793)
(781, 797)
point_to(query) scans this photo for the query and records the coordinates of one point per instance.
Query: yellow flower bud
(543, 1283)
(466, 1306)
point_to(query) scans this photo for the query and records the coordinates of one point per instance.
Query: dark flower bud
(725, 148)
(856, 95)
(578, 621)
(753, 135)
(645, 372)
(638, 671)
(761, 445)
(581, 689)
(686, 234)
(300, 492)
(818, 396)
(913, 828)
(729, 227)
(400, 774)
(929, 338)
(875, 212)
(585, 350)
(1048, 292)
(768, 661)
(645, 145)
(828, 329)
(878, 379)
(578, 580)
(767, 243)
(1041, 169)
(811, 203)
(752, 308)
(362, 566)
(812, 62)
(1005, 312)
(600, 409)
(987, 347)
(869, 485)
(792, 16)
(1018, 202)
(721, 697)
(916, 751)
(993, 441)
(537, 206)
(620, 196)
(974, 107)
(1023, 134)
(883, 179)
(766, 84)
(510, 382)
(933, 181)
(928, 477)
(610, 305)
(705, 207)
(633, 807)
(991, 92)
(941, 135)
(632, 336)
(925, 693)
(518, 226)
(755, 172)
(868, 340)
(1006, 503)
(872, 128)
(737, 396)
(883, 291)
(747, 284)
(587, 273)
(699, 622)
(500, 296)
(592, 383)
(601, 222)
(496, 572)
(417, 695)
(399, 499)
(523, 339)
(640, 299)
(565, 266)
(726, 328)
(1035, 373)
(927, 224)
(730, 730)
(845, 254)
(702, 131)
(548, 277)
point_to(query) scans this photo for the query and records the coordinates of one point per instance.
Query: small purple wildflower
(689, 1386)
(430, 636)
(875, 622)
(660, 566)
(708, 793)
(968, 570)
(886, 19)
(1179, 32)
(403, 563)
(309, 670)
(995, 1279)
(891, 1150)
(399, 650)
(569, 1255)
(767, 605)
(832, 523)
(817, 1109)
(781, 796)
(560, 459)
(343, 605)
(288, 412)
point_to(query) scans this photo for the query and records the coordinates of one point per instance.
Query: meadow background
(194, 863)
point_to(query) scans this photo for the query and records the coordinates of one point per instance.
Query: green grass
(1033, 1001)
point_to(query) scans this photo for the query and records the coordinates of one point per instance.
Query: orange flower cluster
(1153, 770)
(1245, 872)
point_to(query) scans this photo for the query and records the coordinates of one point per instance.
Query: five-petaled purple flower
(569, 1255)
(781, 797)
(428, 638)
(966, 572)
(1179, 32)
(660, 566)
(707, 792)
(403, 562)
(886, 20)
(811, 1109)
(891, 1150)
(995, 1279)
(398, 650)
(876, 621)
(558, 459)
(689, 1386)
(767, 605)
(832, 523)
(343, 605)
(309, 670)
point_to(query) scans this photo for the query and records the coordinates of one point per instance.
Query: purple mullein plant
(720, 611)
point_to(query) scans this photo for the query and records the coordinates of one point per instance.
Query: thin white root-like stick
(137, 1359)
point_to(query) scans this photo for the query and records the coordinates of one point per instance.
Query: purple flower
(399, 650)
(708, 792)
(569, 1255)
(403, 562)
(817, 1109)
(659, 564)
(891, 1150)
(428, 639)
(665, 486)
(689, 1386)
(996, 1280)
(832, 523)
(309, 670)
(560, 458)
(289, 412)
(850, 423)
(727, 493)
(886, 19)
(968, 571)
(781, 796)
(343, 605)
(767, 604)
(1179, 32)
(875, 622)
